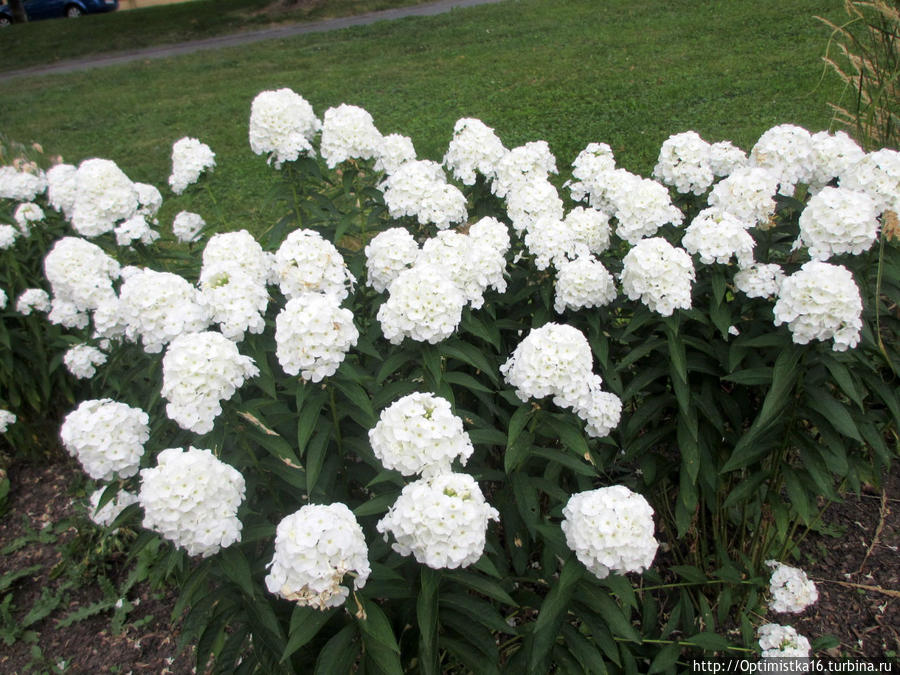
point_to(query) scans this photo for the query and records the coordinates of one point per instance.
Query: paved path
(163, 51)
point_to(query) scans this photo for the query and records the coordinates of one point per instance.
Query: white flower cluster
(640, 206)
(21, 186)
(315, 548)
(81, 277)
(589, 227)
(556, 360)
(106, 437)
(187, 226)
(8, 236)
(233, 283)
(419, 189)
(82, 360)
(610, 529)
(419, 434)
(759, 280)
(104, 196)
(33, 299)
(103, 516)
(787, 151)
(472, 262)
(62, 188)
(834, 154)
(191, 498)
(348, 132)
(589, 171)
(135, 228)
(532, 160)
(718, 236)
(821, 302)
(781, 642)
(199, 371)
(836, 221)
(725, 158)
(748, 194)
(394, 151)
(307, 263)
(475, 148)
(156, 307)
(532, 200)
(282, 125)
(26, 214)
(6, 419)
(878, 175)
(190, 158)
(791, 589)
(149, 200)
(313, 334)
(441, 520)
(387, 254)
(424, 304)
(684, 163)
(583, 282)
(659, 274)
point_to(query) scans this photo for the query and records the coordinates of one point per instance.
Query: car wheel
(73, 11)
(4, 21)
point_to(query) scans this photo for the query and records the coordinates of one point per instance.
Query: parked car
(50, 9)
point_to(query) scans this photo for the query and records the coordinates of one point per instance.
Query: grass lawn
(625, 72)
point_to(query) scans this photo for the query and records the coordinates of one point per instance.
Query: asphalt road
(164, 51)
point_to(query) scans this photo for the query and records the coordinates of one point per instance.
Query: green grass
(626, 72)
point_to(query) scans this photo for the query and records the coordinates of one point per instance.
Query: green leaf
(427, 617)
(569, 435)
(690, 574)
(467, 381)
(378, 639)
(481, 585)
(236, 567)
(339, 653)
(843, 378)
(468, 353)
(553, 611)
(315, 458)
(665, 659)
(306, 622)
(834, 411)
(308, 419)
(378, 504)
(517, 423)
(587, 654)
(471, 324)
(751, 377)
(742, 491)
(359, 398)
(615, 617)
(709, 641)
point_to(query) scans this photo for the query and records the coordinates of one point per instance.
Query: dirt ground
(857, 574)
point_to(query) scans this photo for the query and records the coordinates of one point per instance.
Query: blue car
(50, 9)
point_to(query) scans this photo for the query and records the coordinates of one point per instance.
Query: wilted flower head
(781, 641)
(791, 589)
(82, 360)
(717, 236)
(348, 132)
(441, 520)
(821, 302)
(387, 254)
(424, 304)
(315, 548)
(191, 498)
(33, 299)
(610, 530)
(104, 197)
(21, 186)
(419, 434)
(187, 226)
(837, 221)
(106, 437)
(659, 274)
(475, 148)
(282, 125)
(419, 189)
(684, 163)
(199, 371)
(308, 263)
(190, 158)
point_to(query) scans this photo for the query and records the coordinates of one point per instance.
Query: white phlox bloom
(21, 186)
(684, 163)
(134, 229)
(8, 236)
(103, 516)
(600, 410)
(589, 172)
(553, 360)
(442, 521)
(533, 159)
(308, 263)
(106, 437)
(6, 419)
(81, 279)
(787, 151)
(718, 236)
(759, 280)
(190, 158)
(67, 314)
(791, 589)
(492, 232)
(387, 254)
(315, 548)
(641, 206)
(108, 321)
(149, 200)
(781, 642)
(659, 274)
(313, 334)
(419, 434)
(423, 304)
(610, 529)
(234, 300)
(583, 282)
(157, 307)
(419, 189)
(472, 264)
(532, 199)
(26, 214)
(3, 299)
(878, 175)
(282, 125)
(475, 148)
(748, 193)
(837, 221)
(725, 158)
(348, 132)
(200, 370)
(82, 360)
(393, 151)
(104, 197)
(191, 498)
(834, 155)
(62, 188)
(187, 226)
(552, 242)
(590, 227)
(33, 299)
(238, 249)
(821, 301)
